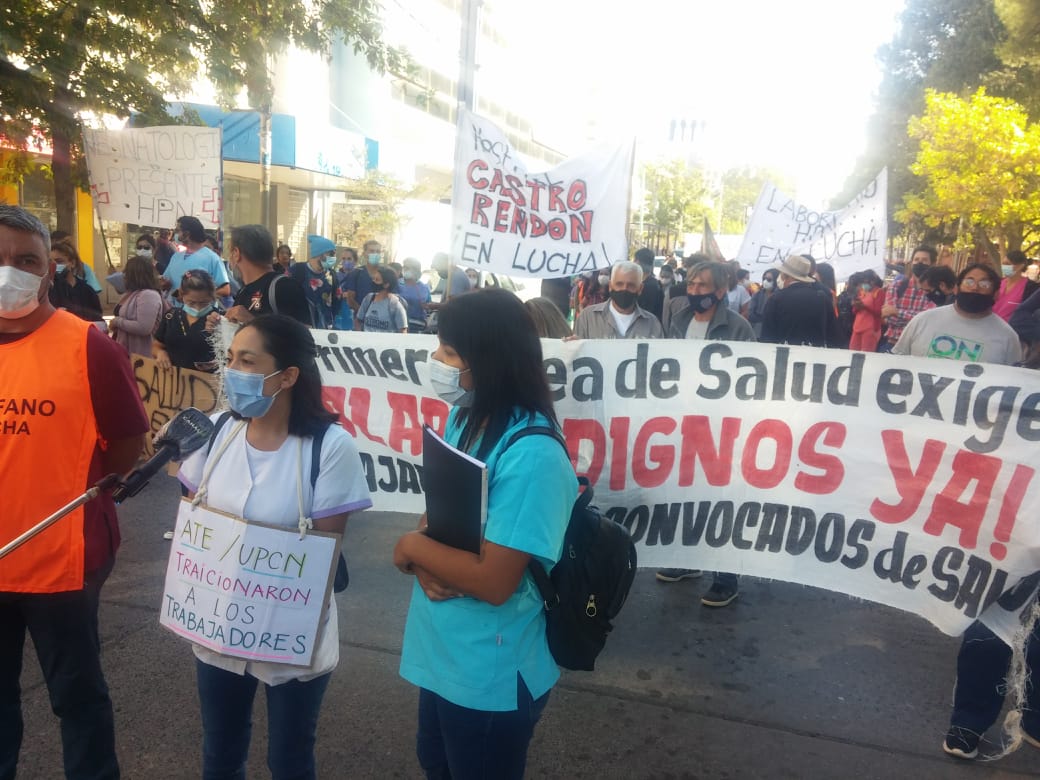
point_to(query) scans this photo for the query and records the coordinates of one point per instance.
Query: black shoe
(961, 743)
(674, 575)
(719, 595)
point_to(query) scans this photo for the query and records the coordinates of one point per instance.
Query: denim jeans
(457, 743)
(64, 631)
(227, 723)
(982, 665)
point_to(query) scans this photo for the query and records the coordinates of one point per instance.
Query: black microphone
(180, 437)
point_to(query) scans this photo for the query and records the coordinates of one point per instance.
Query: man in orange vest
(69, 414)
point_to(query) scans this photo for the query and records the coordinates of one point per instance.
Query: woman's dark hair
(140, 274)
(353, 253)
(291, 344)
(772, 273)
(492, 332)
(1017, 257)
(855, 280)
(826, 273)
(147, 238)
(286, 247)
(66, 248)
(197, 280)
(389, 277)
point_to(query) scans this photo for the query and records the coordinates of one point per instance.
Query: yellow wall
(9, 194)
(85, 229)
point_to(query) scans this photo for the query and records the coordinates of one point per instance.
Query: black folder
(456, 493)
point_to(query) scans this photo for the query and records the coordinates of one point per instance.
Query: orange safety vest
(48, 436)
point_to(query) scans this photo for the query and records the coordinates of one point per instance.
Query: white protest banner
(152, 175)
(558, 223)
(851, 239)
(905, 481)
(247, 590)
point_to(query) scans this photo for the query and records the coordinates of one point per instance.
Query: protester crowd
(174, 290)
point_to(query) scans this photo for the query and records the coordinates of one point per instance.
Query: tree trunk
(992, 250)
(64, 186)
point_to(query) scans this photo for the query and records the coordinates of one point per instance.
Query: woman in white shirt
(249, 470)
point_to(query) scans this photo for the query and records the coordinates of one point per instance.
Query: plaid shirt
(912, 302)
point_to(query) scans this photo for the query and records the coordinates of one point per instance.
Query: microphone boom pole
(105, 484)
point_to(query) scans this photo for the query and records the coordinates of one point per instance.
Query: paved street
(788, 682)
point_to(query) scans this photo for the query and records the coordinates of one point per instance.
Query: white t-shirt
(737, 298)
(943, 332)
(621, 321)
(697, 330)
(262, 486)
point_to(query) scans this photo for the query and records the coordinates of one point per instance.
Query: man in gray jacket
(619, 317)
(705, 314)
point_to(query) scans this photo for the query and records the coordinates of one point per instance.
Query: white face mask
(780, 283)
(445, 381)
(767, 284)
(145, 253)
(19, 292)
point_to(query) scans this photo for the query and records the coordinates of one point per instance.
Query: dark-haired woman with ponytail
(251, 470)
(474, 640)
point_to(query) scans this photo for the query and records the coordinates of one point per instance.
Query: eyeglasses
(985, 285)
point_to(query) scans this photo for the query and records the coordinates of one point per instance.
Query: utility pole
(465, 89)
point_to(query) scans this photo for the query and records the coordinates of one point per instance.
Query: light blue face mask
(245, 392)
(60, 268)
(196, 313)
(329, 263)
(1007, 270)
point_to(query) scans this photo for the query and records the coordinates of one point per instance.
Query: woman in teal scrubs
(474, 640)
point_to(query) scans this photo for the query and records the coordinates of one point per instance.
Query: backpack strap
(316, 442)
(216, 429)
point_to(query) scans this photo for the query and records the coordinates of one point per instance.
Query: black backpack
(342, 579)
(589, 585)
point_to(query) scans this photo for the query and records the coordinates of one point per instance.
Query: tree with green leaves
(979, 160)
(676, 196)
(243, 37)
(1021, 19)
(64, 61)
(951, 46)
(738, 193)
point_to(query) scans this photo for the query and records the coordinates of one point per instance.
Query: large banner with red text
(906, 481)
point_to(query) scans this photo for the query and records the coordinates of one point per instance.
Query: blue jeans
(457, 743)
(227, 723)
(64, 630)
(982, 664)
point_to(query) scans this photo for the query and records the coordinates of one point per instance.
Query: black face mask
(702, 302)
(624, 299)
(918, 269)
(973, 302)
(938, 297)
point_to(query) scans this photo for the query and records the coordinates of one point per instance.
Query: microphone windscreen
(188, 431)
